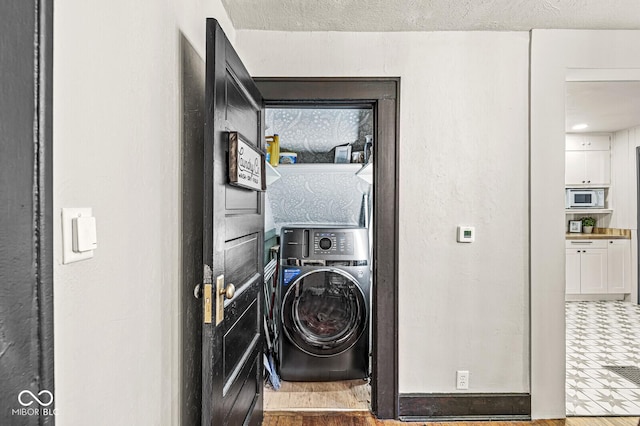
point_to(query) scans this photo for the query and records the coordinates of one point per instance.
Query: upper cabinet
(587, 160)
(587, 142)
(591, 168)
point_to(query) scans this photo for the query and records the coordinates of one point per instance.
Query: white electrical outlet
(462, 379)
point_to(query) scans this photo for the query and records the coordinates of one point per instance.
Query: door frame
(384, 95)
(558, 56)
(29, 65)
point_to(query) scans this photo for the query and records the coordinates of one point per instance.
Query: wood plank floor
(346, 395)
(274, 418)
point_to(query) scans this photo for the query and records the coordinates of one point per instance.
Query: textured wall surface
(463, 160)
(314, 133)
(117, 148)
(434, 15)
(19, 350)
(323, 197)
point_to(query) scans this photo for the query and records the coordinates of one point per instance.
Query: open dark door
(233, 244)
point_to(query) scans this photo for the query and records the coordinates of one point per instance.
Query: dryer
(324, 304)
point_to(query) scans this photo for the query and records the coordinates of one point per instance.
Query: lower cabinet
(619, 272)
(598, 266)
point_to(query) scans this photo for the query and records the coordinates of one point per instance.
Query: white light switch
(84, 234)
(78, 234)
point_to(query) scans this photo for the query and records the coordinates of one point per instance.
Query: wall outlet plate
(462, 379)
(68, 254)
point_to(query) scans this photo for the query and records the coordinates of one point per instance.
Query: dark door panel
(233, 244)
(241, 262)
(241, 201)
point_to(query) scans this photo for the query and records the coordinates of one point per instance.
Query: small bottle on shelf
(273, 149)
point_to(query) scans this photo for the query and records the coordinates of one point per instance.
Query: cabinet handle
(583, 182)
(588, 181)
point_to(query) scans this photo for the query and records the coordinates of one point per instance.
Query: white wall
(557, 55)
(625, 197)
(623, 178)
(463, 160)
(117, 133)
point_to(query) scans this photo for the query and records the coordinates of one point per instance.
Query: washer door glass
(324, 312)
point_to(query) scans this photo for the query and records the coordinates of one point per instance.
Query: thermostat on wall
(466, 234)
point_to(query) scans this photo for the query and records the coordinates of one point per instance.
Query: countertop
(601, 234)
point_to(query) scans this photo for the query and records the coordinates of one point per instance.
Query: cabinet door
(587, 142)
(619, 266)
(574, 142)
(574, 168)
(597, 165)
(572, 271)
(593, 271)
(596, 142)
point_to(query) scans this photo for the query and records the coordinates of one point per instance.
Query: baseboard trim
(469, 406)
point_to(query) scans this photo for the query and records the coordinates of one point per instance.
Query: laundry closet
(318, 268)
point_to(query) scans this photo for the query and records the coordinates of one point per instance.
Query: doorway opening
(602, 315)
(318, 236)
(337, 140)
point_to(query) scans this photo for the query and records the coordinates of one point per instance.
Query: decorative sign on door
(246, 164)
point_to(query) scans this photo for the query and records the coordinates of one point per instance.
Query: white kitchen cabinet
(619, 266)
(572, 271)
(587, 160)
(598, 266)
(587, 142)
(586, 267)
(591, 168)
(593, 271)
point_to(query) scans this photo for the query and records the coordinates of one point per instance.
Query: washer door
(324, 312)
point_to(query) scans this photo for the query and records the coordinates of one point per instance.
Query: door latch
(207, 303)
(221, 293)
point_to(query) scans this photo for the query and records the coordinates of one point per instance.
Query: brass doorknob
(229, 292)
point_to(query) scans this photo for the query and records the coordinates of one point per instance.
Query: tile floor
(604, 333)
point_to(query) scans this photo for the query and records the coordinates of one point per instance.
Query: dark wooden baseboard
(471, 406)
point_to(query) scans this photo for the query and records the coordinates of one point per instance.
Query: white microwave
(584, 198)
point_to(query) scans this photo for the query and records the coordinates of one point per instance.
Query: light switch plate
(68, 214)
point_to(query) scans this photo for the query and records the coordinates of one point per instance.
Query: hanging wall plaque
(246, 164)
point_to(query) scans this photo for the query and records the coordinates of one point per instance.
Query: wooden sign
(246, 164)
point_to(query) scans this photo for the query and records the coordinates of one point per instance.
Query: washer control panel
(299, 243)
(338, 243)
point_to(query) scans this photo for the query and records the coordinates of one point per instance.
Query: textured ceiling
(432, 15)
(604, 106)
